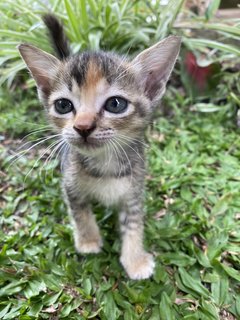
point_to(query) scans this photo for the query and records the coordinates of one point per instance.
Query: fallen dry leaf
(160, 214)
(50, 309)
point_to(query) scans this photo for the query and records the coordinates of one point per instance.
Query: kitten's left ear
(42, 65)
(154, 66)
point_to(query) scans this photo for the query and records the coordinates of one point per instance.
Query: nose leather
(84, 132)
(84, 124)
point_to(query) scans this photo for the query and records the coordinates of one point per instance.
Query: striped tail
(57, 36)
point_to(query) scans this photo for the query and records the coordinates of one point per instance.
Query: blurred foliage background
(210, 53)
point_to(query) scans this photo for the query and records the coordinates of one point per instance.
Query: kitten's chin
(88, 146)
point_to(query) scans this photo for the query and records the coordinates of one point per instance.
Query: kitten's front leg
(136, 261)
(87, 236)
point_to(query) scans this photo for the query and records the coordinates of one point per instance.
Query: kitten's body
(110, 102)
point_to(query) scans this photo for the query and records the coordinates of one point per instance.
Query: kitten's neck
(110, 162)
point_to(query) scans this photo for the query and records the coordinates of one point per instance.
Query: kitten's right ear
(154, 66)
(42, 65)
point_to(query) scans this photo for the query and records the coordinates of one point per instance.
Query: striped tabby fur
(104, 154)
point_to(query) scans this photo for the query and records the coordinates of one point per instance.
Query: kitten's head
(95, 97)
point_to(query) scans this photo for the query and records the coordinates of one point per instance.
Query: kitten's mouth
(91, 142)
(87, 143)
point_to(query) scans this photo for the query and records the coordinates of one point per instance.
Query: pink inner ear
(156, 64)
(44, 85)
(155, 83)
(42, 79)
(152, 84)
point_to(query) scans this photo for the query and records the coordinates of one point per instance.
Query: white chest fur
(108, 191)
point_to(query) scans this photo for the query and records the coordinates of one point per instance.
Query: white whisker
(133, 140)
(131, 66)
(40, 157)
(115, 149)
(20, 154)
(129, 162)
(65, 152)
(125, 143)
(43, 129)
(55, 145)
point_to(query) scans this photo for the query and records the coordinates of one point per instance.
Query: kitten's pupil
(116, 105)
(63, 106)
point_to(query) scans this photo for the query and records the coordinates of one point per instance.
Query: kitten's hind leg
(87, 236)
(136, 261)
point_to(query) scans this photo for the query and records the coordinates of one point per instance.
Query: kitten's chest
(108, 191)
(100, 179)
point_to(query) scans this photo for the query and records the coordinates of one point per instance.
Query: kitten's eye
(116, 105)
(63, 106)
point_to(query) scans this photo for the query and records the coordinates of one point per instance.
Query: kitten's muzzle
(85, 124)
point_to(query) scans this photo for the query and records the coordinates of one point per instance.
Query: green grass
(192, 226)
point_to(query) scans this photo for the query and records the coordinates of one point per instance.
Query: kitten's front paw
(90, 246)
(139, 267)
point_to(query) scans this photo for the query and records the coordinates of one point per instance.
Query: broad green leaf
(193, 284)
(69, 307)
(202, 257)
(84, 15)
(13, 313)
(220, 290)
(178, 259)
(233, 273)
(224, 28)
(196, 43)
(11, 288)
(52, 282)
(51, 299)
(5, 310)
(57, 269)
(160, 275)
(35, 308)
(72, 20)
(137, 296)
(216, 244)
(109, 306)
(87, 286)
(165, 308)
(222, 204)
(121, 301)
(207, 107)
(94, 40)
(210, 310)
(33, 288)
(93, 6)
(212, 8)
(238, 305)
(66, 309)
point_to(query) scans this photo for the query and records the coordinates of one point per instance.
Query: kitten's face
(97, 100)
(94, 100)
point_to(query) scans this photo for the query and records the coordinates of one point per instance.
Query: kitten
(101, 105)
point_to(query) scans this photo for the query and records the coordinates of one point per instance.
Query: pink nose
(85, 123)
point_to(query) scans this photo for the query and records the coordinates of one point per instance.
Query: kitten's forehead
(90, 67)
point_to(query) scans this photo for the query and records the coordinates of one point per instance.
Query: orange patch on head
(93, 76)
(94, 86)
